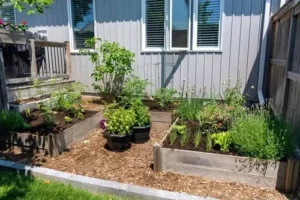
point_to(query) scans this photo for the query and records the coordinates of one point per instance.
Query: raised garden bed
(281, 175)
(51, 141)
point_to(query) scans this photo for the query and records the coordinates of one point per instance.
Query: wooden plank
(289, 58)
(68, 59)
(297, 9)
(33, 58)
(50, 44)
(284, 10)
(289, 176)
(295, 176)
(31, 79)
(3, 88)
(278, 62)
(293, 76)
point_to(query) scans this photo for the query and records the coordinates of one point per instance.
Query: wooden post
(68, 59)
(157, 165)
(289, 176)
(289, 61)
(33, 58)
(295, 176)
(3, 88)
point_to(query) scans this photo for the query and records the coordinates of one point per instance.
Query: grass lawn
(13, 186)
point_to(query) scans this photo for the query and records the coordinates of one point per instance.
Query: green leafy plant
(165, 96)
(120, 121)
(47, 115)
(260, 135)
(223, 139)
(179, 131)
(31, 6)
(12, 121)
(68, 120)
(133, 90)
(112, 64)
(209, 141)
(189, 109)
(142, 115)
(197, 139)
(173, 137)
(37, 84)
(233, 95)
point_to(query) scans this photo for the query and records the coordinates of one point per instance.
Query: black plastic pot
(141, 134)
(118, 142)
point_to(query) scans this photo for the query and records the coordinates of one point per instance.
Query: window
(180, 24)
(207, 24)
(81, 22)
(168, 25)
(7, 12)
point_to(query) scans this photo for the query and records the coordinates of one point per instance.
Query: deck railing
(36, 59)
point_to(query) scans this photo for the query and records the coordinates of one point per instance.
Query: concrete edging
(97, 185)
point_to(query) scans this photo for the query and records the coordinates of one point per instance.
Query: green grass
(13, 186)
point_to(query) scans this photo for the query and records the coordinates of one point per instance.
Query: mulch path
(134, 166)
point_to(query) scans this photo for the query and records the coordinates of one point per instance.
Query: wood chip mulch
(134, 166)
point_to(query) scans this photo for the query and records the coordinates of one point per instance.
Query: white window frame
(70, 25)
(144, 31)
(195, 29)
(189, 29)
(10, 4)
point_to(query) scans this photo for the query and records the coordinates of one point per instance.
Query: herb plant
(12, 121)
(197, 139)
(112, 64)
(142, 116)
(165, 96)
(47, 115)
(68, 120)
(120, 121)
(223, 139)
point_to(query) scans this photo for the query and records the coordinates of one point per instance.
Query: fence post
(68, 59)
(33, 58)
(289, 61)
(3, 88)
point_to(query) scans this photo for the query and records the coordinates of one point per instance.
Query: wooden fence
(284, 69)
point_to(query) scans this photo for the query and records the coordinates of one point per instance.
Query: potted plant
(13, 33)
(119, 127)
(142, 125)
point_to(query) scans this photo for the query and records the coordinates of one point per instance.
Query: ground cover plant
(13, 186)
(229, 127)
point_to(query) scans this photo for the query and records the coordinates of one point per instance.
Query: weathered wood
(259, 173)
(297, 9)
(289, 176)
(293, 76)
(3, 88)
(295, 176)
(33, 58)
(50, 44)
(68, 59)
(31, 79)
(168, 132)
(285, 9)
(157, 165)
(278, 62)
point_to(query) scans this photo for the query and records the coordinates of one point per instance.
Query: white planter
(12, 37)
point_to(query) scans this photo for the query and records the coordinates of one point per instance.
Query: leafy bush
(12, 121)
(112, 64)
(47, 114)
(189, 109)
(165, 96)
(120, 121)
(133, 90)
(223, 139)
(258, 134)
(142, 116)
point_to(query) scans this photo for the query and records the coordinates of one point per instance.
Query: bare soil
(36, 121)
(91, 158)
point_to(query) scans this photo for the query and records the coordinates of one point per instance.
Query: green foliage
(173, 137)
(179, 131)
(165, 96)
(13, 27)
(12, 121)
(112, 64)
(223, 139)
(197, 139)
(37, 84)
(233, 95)
(209, 140)
(258, 134)
(32, 6)
(120, 121)
(189, 109)
(68, 99)
(47, 115)
(133, 90)
(142, 115)
(68, 120)
(184, 138)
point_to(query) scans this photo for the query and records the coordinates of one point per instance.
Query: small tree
(32, 6)
(112, 64)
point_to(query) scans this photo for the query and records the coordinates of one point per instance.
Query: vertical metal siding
(120, 20)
